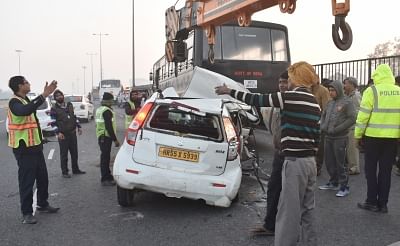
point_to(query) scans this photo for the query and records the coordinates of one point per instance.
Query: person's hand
(79, 131)
(60, 136)
(116, 142)
(49, 88)
(222, 89)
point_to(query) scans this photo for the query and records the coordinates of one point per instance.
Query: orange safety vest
(22, 128)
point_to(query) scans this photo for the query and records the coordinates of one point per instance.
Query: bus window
(279, 45)
(250, 43)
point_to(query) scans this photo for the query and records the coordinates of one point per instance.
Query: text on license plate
(179, 154)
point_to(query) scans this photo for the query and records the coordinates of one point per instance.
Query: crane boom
(210, 13)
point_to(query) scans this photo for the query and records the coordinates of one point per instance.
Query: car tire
(125, 197)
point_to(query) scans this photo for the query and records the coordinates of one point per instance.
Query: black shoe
(383, 209)
(367, 206)
(79, 172)
(108, 183)
(67, 176)
(261, 231)
(49, 209)
(28, 219)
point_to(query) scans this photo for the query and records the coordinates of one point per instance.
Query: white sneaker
(343, 192)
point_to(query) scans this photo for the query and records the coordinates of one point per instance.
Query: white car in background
(83, 108)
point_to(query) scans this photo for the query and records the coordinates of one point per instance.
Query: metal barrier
(360, 69)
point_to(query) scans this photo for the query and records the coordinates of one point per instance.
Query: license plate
(179, 154)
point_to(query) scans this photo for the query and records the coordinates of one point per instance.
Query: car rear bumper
(176, 184)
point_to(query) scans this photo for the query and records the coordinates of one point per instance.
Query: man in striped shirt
(300, 116)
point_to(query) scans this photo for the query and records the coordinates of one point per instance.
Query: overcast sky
(56, 35)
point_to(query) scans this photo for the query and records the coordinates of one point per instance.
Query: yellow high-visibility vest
(23, 128)
(100, 126)
(379, 114)
(129, 118)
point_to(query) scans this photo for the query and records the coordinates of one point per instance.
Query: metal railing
(360, 69)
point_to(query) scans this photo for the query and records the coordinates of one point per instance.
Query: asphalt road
(90, 214)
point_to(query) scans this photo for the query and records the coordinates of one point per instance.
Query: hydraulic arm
(210, 13)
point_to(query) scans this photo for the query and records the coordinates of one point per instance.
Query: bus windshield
(248, 44)
(252, 55)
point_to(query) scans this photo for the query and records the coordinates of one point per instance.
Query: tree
(389, 48)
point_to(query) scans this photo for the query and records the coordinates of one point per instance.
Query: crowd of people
(325, 123)
(311, 123)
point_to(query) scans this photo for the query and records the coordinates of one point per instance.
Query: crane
(208, 14)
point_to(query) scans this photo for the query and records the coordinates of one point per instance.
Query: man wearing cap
(350, 85)
(105, 131)
(66, 125)
(300, 114)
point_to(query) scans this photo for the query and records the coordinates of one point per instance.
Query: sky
(55, 37)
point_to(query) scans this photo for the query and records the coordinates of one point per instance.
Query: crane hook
(345, 42)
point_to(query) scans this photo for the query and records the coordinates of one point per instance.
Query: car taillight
(233, 139)
(137, 123)
(82, 106)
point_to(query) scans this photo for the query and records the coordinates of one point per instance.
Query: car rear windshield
(73, 99)
(191, 124)
(44, 105)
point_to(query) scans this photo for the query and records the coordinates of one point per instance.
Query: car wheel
(125, 197)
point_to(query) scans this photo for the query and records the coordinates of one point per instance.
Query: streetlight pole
(91, 65)
(133, 44)
(84, 80)
(101, 61)
(19, 61)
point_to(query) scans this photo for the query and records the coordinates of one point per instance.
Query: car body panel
(173, 183)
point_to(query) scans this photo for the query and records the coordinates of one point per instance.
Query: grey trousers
(335, 160)
(295, 220)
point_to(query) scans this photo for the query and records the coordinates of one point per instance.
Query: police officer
(378, 122)
(25, 138)
(105, 131)
(66, 123)
(132, 106)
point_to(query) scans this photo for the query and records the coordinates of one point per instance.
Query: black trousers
(31, 168)
(274, 191)
(69, 143)
(105, 144)
(379, 152)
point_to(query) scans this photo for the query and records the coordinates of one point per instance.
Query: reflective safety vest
(379, 114)
(100, 126)
(23, 128)
(129, 118)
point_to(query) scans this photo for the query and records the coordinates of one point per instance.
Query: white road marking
(51, 153)
(34, 201)
(1, 121)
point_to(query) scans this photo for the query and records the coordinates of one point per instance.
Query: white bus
(112, 86)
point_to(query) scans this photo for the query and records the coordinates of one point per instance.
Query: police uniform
(105, 132)
(378, 122)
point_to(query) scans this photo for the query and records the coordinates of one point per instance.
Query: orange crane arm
(210, 13)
